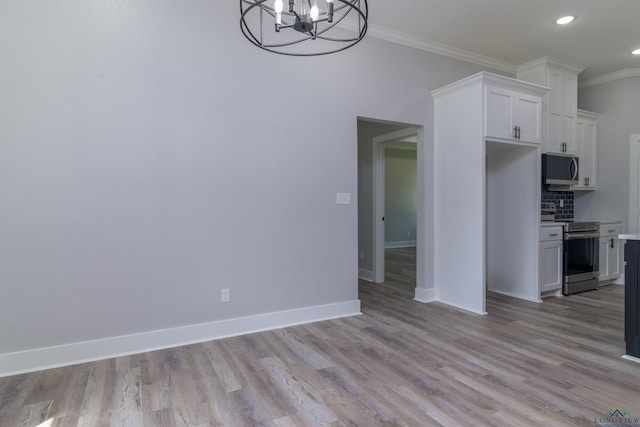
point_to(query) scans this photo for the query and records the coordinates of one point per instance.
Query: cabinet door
(550, 265)
(613, 257)
(505, 110)
(603, 263)
(569, 110)
(561, 111)
(499, 120)
(555, 122)
(587, 152)
(528, 117)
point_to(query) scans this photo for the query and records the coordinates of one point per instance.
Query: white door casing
(634, 184)
(379, 196)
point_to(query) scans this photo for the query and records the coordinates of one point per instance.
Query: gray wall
(618, 102)
(400, 195)
(151, 156)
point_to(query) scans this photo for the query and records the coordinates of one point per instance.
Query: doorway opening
(391, 209)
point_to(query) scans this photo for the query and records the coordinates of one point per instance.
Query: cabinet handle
(611, 243)
(553, 234)
(611, 231)
(515, 132)
(518, 132)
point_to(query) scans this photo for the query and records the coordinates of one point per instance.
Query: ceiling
(513, 32)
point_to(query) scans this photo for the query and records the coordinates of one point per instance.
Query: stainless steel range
(580, 258)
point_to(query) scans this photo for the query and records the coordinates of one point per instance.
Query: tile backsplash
(564, 213)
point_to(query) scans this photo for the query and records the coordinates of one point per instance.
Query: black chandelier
(320, 27)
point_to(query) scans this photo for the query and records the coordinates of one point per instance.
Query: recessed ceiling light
(635, 52)
(565, 20)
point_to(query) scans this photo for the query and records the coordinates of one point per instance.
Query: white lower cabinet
(610, 251)
(550, 259)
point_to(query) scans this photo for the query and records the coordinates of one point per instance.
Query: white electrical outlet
(343, 198)
(225, 295)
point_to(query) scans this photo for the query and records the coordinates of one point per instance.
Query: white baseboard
(80, 352)
(400, 244)
(425, 295)
(631, 358)
(366, 275)
(461, 307)
(514, 295)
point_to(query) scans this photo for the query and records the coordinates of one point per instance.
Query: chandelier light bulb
(635, 52)
(330, 11)
(314, 13)
(278, 6)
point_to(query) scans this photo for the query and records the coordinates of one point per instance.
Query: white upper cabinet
(513, 114)
(587, 150)
(560, 105)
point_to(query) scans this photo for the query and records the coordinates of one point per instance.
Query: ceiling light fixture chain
(311, 21)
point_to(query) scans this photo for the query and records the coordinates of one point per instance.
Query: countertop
(633, 236)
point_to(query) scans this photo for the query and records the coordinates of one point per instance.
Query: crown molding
(629, 72)
(439, 48)
(549, 60)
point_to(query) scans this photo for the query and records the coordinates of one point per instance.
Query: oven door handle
(574, 236)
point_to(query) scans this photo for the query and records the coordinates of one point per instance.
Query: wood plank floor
(401, 363)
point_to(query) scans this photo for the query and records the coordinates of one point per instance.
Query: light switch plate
(343, 198)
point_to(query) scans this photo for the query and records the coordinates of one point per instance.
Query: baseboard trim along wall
(88, 351)
(425, 295)
(400, 244)
(517, 295)
(365, 274)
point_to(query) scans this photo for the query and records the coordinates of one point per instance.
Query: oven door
(581, 256)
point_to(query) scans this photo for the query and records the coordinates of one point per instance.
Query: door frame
(634, 184)
(379, 143)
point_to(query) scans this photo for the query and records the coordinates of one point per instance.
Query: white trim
(631, 358)
(379, 197)
(80, 352)
(399, 135)
(425, 295)
(365, 275)
(551, 61)
(400, 244)
(629, 72)
(515, 295)
(439, 48)
(378, 211)
(633, 219)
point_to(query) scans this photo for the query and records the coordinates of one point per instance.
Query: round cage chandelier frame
(309, 23)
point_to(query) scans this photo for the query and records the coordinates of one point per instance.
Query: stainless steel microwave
(559, 169)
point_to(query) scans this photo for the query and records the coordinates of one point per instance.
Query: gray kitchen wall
(618, 102)
(150, 156)
(400, 196)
